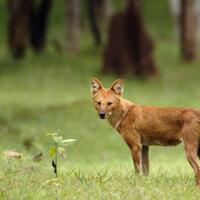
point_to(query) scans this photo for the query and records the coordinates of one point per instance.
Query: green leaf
(61, 151)
(52, 134)
(52, 151)
(68, 141)
(58, 140)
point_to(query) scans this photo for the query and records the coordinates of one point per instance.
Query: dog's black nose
(102, 115)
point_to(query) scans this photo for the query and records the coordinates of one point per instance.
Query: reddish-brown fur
(141, 126)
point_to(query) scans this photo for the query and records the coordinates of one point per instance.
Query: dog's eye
(109, 103)
(98, 102)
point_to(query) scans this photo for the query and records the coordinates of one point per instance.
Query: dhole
(141, 126)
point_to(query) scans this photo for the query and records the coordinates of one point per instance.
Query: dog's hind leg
(191, 153)
(145, 160)
(191, 145)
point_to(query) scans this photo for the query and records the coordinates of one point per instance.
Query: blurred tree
(129, 48)
(98, 9)
(106, 9)
(188, 24)
(27, 25)
(73, 15)
(175, 7)
(92, 4)
(38, 23)
(197, 13)
(175, 12)
(18, 26)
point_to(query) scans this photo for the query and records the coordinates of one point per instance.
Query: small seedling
(58, 149)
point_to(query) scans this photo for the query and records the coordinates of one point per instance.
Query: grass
(50, 92)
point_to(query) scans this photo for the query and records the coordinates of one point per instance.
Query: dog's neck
(120, 113)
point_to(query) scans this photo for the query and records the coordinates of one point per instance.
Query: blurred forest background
(49, 51)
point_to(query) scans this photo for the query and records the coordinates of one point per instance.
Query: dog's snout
(102, 115)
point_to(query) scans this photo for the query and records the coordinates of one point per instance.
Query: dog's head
(106, 100)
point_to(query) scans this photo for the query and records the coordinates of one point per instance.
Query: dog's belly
(161, 135)
(160, 130)
(161, 141)
(167, 137)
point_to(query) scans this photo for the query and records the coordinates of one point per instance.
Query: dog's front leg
(133, 140)
(136, 152)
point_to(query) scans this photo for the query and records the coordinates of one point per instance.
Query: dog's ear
(95, 86)
(117, 87)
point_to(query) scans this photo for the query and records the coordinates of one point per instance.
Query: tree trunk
(98, 10)
(18, 26)
(188, 28)
(73, 15)
(104, 9)
(175, 13)
(129, 48)
(92, 13)
(38, 23)
(197, 15)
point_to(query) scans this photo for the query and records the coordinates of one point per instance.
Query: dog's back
(160, 126)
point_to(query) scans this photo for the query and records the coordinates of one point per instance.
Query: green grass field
(50, 92)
